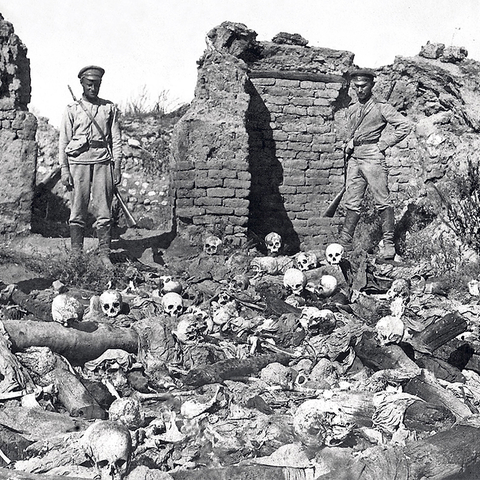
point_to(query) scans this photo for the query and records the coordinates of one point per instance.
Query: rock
(289, 39)
(454, 54)
(432, 50)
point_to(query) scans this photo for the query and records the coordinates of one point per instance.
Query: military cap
(363, 72)
(92, 72)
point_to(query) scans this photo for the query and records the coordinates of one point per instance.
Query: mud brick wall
(18, 149)
(296, 156)
(210, 153)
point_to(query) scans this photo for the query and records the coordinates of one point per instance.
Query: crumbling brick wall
(258, 151)
(18, 149)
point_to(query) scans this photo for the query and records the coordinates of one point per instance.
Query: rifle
(332, 208)
(131, 222)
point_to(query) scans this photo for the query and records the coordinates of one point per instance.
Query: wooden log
(86, 342)
(6, 474)
(75, 397)
(41, 310)
(448, 455)
(297, 75)
(378, 357)
(232, 368)
(427, 417)
(439, 333)
(427, 388)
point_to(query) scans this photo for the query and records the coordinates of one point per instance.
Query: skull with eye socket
(212, 245)
(334, 253)
(273, 242)
(306, 261)
(172, 304)
(294, 280)
(108, 445)
(111, 302)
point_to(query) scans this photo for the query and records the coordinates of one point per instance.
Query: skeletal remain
(128, 411)
(172, 304)
(193, 408)
(265, 265)
(390, 329)
(211, 245)
(190, 328)
(294, 280)
(111, 302)
(276, 374)
(306, 261)
(109, 446)
(312, 316)
(321, 422)
(327, 287)
(66, 308)
(273, 242)
(240, 282)
(169, 284)
(400, 288)
(334, 253)
(473, 288)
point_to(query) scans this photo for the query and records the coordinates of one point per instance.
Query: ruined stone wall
(18, 150)
(258, 150)
(210, 152)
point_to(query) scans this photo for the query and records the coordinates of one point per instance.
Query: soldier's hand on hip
(66, 178)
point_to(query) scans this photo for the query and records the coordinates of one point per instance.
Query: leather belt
(97, 144)
(357, 143)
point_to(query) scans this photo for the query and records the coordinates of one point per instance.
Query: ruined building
(260, 148)
(18, 150)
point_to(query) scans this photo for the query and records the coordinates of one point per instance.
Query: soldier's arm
(116, 146)
(66, 132)
(401, 127)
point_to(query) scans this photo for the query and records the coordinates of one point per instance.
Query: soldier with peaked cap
(86, 162)
(365, 148)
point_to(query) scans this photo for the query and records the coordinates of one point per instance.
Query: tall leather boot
(388, 227)
(104, 241)
(76, 240)
(348, 229)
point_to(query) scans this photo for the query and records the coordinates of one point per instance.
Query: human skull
(390, 329)
(328, 285)
(265, 265)
(240, 282)
(295, 280)
(66, 308)
(273, 242)
(400, 288)
(109, 446)
(306, 261)
(276, 374)
(169, 284)
(111, 302)
(128, 411)
(334, 253)
(172, 304)
(320, 422)
(211, 245)
(189, 328)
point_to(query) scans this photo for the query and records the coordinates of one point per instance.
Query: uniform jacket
(78, 126)
(378, 114)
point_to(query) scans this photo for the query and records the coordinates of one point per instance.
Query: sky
(151, 46)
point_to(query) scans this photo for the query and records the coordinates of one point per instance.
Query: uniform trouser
(370, 170)
(93, 182)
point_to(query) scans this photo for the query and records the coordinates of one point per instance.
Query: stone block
(187, 184)
(218, 210)
(221, 192)
(208, 201)
(236, 202)
(245, 176)
(242, 212)
(190, 212)
(208, 182)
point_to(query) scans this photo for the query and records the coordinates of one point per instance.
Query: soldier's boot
(388, 226)
(104, 241)
(348, 229)
(76, 240)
